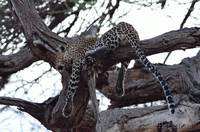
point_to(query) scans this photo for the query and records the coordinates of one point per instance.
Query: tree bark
(140, 85)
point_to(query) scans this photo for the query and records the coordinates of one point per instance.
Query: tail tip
(172, 108)
(172, 111)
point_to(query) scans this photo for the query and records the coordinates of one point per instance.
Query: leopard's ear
(62, 48)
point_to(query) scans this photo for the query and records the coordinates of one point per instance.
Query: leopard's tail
(155, 72)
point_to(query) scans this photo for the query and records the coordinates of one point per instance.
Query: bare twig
(162, 2)
(190, 10)
(183, 22)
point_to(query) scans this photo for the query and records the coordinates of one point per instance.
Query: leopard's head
(63, 59)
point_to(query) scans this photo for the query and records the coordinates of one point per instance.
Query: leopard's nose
(60, 68)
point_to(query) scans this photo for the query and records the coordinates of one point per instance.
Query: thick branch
(149, 119)
(43, 111)
(35, 29)
(152, 118)
(182, 78)
(12, 63)
(174, 40)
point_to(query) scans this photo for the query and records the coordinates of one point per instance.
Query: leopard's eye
(62, 48)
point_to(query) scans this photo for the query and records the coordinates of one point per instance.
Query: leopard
(80, 49)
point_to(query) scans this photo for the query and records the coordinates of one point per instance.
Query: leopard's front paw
(67, 109)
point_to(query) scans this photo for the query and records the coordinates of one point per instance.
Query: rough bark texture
(182, 78)
(140, 85)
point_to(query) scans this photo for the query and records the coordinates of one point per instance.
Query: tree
(42, 44)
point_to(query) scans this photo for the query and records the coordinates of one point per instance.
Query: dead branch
(12, 63)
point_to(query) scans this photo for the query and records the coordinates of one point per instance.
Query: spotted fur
(118, 36)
